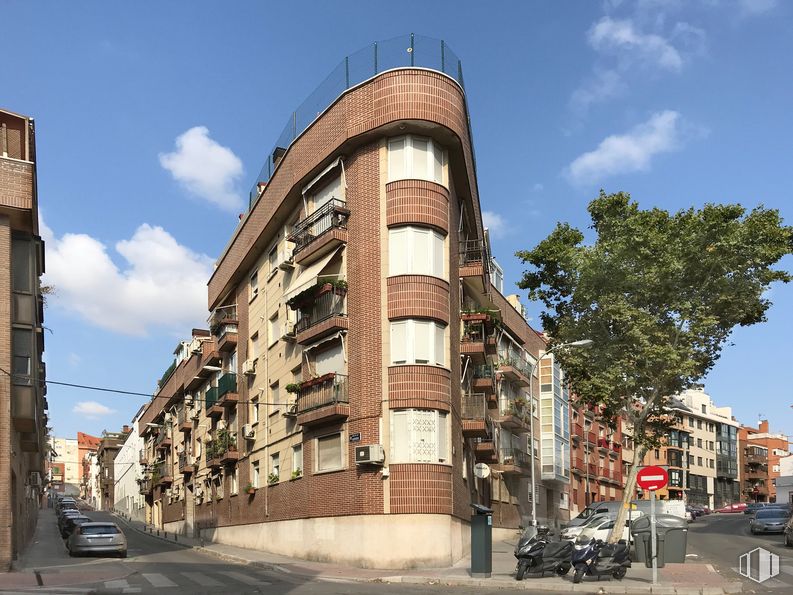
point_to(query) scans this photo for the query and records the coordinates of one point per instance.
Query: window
(21, 265)
(699, 442)
(255, 410)
(657, 454)
(691, 422)
(297, 460)
(233, 481)
(333, 189)
(275, 394)
(699, 424)
(253, 348)
(272, 259)
(275, 468)
(704, 408)
(253, 283)
(416, 250)
(329, 453)
(415, 157)
(218, 482)
(418, 342)
(273, 329)
(419, 436)
(255, 474)
(699, 461)
(22, 346)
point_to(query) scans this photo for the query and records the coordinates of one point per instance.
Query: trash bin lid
(479, 509)
(663, 522)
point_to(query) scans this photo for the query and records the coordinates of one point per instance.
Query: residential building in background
(127, 473)
(86, 444)
(109, 446)
(23, 426)
(360, 358)
(760, 453)
(65, 459)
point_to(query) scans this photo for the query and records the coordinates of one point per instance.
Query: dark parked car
(97, 538)
(68, 514)
(753, 507)
(769, 520)
(70, 523)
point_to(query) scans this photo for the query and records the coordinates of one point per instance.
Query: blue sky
(154, 118)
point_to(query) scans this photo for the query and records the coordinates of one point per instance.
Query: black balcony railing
(223, 316)
(211, 397)
(164, 378)
(326, 390)
(326, 305)
(329, 216)
(483, 371)
(474, 252)
(513, 456)
(474, 406)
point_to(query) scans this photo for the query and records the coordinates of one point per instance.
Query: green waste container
(671, 538)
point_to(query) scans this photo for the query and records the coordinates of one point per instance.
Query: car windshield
(771, 514)
(99, 530)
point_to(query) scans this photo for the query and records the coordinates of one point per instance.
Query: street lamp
(580, 344)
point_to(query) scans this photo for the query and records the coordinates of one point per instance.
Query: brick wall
(418, 296)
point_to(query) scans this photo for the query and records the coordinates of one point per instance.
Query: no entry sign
(652, 478)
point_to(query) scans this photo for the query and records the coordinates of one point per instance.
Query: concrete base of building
(401, 541)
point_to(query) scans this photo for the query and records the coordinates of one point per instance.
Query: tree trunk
(627, 494)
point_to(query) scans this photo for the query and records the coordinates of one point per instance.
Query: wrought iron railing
(513, 456)
(474, 252)
(474, 406)
(327, 391)
(329, 216)
(324, 306)
(517, 363)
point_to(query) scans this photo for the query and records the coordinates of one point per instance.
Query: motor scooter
(597, 558)
(537, 553)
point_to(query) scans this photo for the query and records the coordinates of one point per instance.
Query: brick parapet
(422, 387)
(417, 202)
(418, 296)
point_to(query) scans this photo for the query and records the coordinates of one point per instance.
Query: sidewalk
(683, 579)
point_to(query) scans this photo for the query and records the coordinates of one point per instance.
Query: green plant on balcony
(249, 489)
(297, 473)
(225, 441)
(273, 478)
(155, 477)
(293, 387)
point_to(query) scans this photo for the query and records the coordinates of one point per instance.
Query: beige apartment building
(359, 359)
(66, 458)
(23, 422)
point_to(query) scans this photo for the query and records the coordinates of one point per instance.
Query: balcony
(484, 379)
(186, 463)
(322, 400)
(616, 449)
(163, 439)
(212, 456)
(143, 457)
(603, 445)
(513, 462)
(475, 263)
(183, 421)
(472, 341)
(323, 313)
(321, 232)
(229, 456)
(145, 486)
(604, 475)
(578, 466)
(514, 416)
(485, 451)
(756, 490)
(162, 474)
(515, 369)
(227, 334)
(213, 408)
(474, 416)
(227, 390)
(754, 472)
(756, 459)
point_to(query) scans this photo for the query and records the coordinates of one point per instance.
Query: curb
(154, 535)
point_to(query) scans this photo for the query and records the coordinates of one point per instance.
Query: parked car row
(85, 536)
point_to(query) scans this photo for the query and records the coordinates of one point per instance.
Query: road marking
(202, 579)
(159, 580)
(243, 578)
(120, 584)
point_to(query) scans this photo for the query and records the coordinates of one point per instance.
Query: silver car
(768, 520)
(97, 538)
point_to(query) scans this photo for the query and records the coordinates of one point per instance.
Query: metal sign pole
(653, 552)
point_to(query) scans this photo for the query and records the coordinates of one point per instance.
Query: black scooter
(537, 553)
(596, 558)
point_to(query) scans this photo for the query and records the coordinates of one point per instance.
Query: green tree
(659, 294)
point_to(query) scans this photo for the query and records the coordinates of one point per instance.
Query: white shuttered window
(418, 342)
(415, 157)
(416, 251)
(419, 436)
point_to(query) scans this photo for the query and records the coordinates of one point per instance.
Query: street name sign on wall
(652, 478)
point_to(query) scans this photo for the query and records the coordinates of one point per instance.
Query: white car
(601, 530)
(572, 533)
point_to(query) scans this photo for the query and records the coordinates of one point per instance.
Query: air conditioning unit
(249, 367)
(371, 454)
(168, 492)
(35, 479)
(168, 417)
(287, 261)
(188, 399)
(289, 332)
(195, 347)
(195, 412)
(290, 408)
(248, 432)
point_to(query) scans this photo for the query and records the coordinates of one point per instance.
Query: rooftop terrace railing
(405, 51)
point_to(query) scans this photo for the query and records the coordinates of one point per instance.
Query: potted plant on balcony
(293, 387)
(273, 478)
(297, 473)
(337, 286)
(249, 489)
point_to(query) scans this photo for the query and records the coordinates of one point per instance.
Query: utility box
(481, 541)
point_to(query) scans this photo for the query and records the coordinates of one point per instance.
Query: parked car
(769, 520)
(732, 508)
(698, 510)
(753, 507)
(601, 530)
(69, 514)
(97, 538)
(71, 522)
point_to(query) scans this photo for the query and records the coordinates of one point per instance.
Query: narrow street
(720, 539)
(153, 564)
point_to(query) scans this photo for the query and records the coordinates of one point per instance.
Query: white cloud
(750, 7)
(629, 152)
(206, 168)
(162, 285)
(603, 85)
(538, 187)
(495, 223)
(92, 409)
(623, 39)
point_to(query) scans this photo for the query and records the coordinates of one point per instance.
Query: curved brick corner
(421, 488)
(417, 201)
(422, 387)
(418, 296)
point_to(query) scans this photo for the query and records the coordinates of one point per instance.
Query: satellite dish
(481, 470)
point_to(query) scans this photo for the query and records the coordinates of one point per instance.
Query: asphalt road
(155, 566)
(720, 539)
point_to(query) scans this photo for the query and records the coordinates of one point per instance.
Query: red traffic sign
(652, 478)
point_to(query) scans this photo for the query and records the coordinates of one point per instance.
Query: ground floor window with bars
(419, 436)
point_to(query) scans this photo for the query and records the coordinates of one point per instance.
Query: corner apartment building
(359, 362)
(760, 453)
(109, 447)
(23, 441)
(86, 444)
